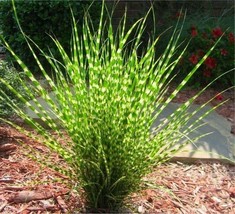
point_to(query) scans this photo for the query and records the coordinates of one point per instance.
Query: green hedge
(40, 19)
(10, 74)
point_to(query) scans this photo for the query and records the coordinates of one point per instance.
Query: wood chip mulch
(227, 110)
(197, 188)
(27, 187)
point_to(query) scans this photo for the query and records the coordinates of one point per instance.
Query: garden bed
(28, 187)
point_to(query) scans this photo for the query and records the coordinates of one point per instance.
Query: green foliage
(202, 18)
(220, 61)
(12, 76)
(102, 109)
(38, 20)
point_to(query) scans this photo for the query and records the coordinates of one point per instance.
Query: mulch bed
(27, 187)
(227, 110)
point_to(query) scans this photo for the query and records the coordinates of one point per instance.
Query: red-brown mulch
(227, 110)
(200, 188)
(196, 188)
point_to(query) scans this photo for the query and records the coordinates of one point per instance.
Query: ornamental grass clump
(104, 100)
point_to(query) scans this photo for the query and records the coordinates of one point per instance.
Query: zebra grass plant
(104, 96)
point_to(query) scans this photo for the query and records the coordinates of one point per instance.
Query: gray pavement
(219, 145)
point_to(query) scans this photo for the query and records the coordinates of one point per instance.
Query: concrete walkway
(219, 145)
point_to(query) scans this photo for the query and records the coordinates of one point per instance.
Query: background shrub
(220, 61)
(38, 19)
(203, 22)
(11, 75)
